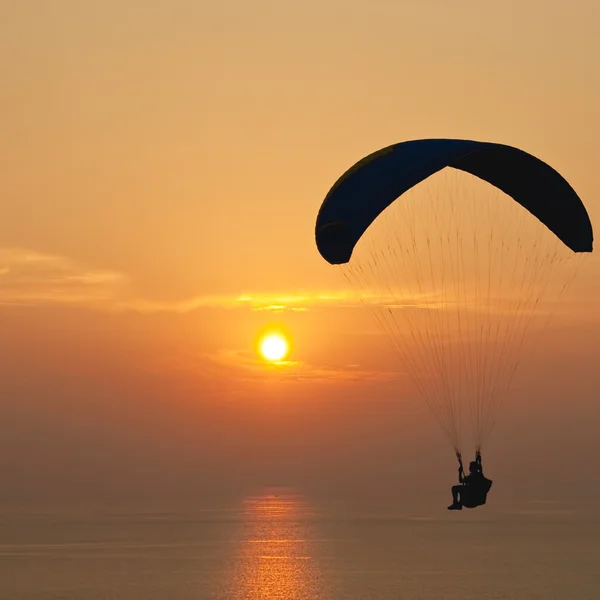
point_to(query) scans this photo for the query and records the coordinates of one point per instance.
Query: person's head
(473, 467)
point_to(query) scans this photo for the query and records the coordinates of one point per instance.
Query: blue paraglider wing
(372, 184)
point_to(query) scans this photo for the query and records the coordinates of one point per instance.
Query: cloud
(30, 278)
(251, 368)
(296, 302)
(229, 372)
(301, 301)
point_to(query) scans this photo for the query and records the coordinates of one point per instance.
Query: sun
(274, 347)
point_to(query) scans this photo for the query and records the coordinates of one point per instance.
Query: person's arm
(478, 461)
(461, 471)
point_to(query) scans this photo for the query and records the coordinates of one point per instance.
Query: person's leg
(456, 490)
(456, 498)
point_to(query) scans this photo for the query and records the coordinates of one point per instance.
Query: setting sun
(274, 347)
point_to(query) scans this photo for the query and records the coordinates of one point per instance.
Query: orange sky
(162, 166)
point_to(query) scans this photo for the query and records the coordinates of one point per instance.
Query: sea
(277, 544)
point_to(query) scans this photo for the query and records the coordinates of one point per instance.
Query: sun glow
(274, 347)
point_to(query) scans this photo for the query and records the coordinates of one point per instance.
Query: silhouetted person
(473, 488)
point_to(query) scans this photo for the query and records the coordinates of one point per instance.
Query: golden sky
(162, 166)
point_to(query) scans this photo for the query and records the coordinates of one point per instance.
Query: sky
(162, 166)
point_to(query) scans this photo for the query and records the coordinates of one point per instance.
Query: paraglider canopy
(372, 184)
(455, 265)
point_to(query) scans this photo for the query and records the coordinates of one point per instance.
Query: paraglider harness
(473, 495)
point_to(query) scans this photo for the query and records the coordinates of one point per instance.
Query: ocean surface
(280, 546)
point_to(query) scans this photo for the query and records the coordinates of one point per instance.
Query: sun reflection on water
(275, 559)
